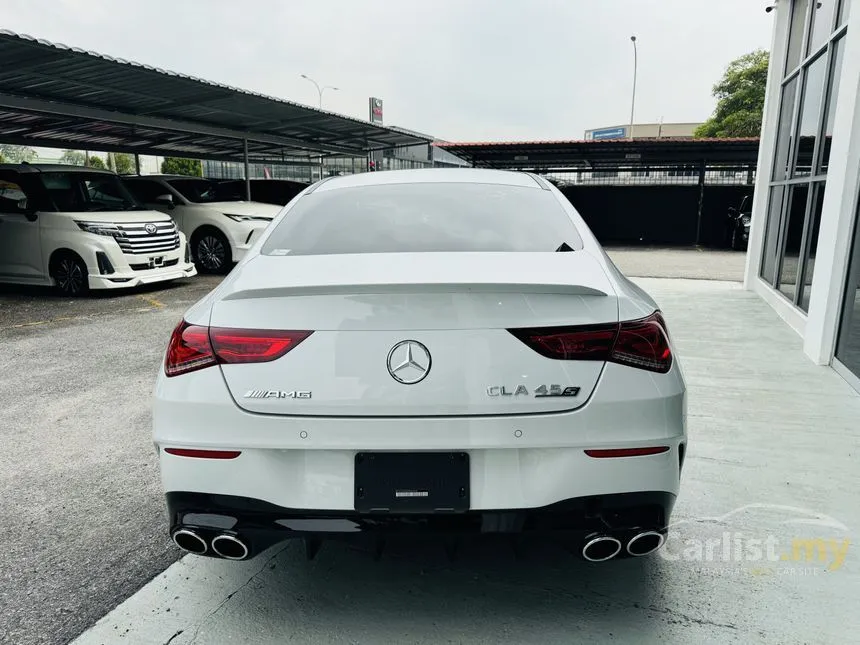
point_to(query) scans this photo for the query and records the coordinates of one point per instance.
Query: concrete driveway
(679, 262)
(762, 550)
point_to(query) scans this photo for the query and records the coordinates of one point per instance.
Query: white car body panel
(524, 452)
(298, 462)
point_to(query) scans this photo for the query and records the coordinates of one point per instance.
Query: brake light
(643, 343)
(194, 347)
(570, 343)
(639, 343)
(189, 349)
(251, 345)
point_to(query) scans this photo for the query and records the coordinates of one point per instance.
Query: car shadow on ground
(414, 592)
(28, 292)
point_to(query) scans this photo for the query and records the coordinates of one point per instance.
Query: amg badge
(540, 391)
(277, 394)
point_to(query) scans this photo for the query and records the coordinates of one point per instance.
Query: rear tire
(70, 274)
(211, 252)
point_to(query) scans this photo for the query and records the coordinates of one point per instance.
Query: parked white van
(79, 228)
(220, 224)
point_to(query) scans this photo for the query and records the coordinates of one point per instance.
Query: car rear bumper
(260, 525)
(525, 461)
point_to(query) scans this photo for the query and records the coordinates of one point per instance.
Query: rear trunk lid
(421, 334)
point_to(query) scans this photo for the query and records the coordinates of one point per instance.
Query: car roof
(432, 175)
(52, 167)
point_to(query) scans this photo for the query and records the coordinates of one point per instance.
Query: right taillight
(193, 347)
(643, 343)
(638, 343)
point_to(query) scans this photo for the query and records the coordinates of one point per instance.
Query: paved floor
(772, 458)
(81, 507)
(698, 264)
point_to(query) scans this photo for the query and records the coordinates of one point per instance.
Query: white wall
(839, 209)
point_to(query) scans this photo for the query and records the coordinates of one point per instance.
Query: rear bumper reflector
(626, 452)
(203, 454)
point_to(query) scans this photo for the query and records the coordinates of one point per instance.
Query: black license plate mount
(411, 482)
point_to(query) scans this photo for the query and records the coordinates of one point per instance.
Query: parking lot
(84, 524)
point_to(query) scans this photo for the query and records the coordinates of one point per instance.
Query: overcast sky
(457, 69)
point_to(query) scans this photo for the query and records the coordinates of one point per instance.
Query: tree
(179, 166)
(121, 163)
(2, 158)
(73, 158)
(740, 98)
(96, 162)
(17, 154)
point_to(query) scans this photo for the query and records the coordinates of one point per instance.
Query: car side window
(10, 192)
(146, 191)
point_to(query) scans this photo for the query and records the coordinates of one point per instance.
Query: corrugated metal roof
(54, 95)
(604, 152)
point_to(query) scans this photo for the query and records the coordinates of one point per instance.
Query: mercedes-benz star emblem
(409, 362)
(150, 228)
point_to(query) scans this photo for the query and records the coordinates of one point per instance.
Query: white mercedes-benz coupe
(437, 351)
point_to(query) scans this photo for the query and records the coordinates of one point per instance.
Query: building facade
(804, 251)
(643, 131)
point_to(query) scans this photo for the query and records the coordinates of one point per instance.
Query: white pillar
(770, 125)
(839, 209)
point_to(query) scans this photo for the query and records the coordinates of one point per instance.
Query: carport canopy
(63, 97)
(606, 154)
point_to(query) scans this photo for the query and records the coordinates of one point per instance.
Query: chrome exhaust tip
(188, 540)
(229, 547)
(601, 548)
(645, 543)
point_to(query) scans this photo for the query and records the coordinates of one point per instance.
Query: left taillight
(194, 347)
(189, 349)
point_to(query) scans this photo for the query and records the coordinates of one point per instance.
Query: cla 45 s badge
(540, 391)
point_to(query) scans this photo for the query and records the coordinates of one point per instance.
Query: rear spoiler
(364, 288)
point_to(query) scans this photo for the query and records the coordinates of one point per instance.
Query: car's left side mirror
(25, 209)
(165, 200)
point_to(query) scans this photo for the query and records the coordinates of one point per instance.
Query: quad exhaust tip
(188, 540)
(601, 548)
(229, 547)
(645, 543)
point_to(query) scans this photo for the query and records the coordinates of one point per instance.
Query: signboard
(375, 110)
(609, 133)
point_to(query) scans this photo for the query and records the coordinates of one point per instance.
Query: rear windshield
(423, 217)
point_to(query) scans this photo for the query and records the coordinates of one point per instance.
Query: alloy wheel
(211, 253)
(70, 276)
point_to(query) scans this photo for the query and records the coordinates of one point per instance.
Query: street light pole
(633, 101)
(320, 91)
